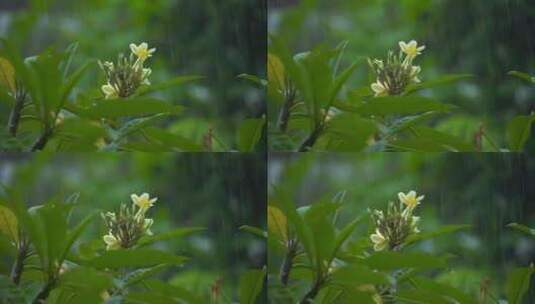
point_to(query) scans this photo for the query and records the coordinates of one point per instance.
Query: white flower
(110, 91)
(112, 243)
(379, 88)
(144, 202)
(410, 199)
(378, 240)
(411, 49)
(142, 51)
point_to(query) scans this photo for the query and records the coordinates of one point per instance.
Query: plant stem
(312, 293)
(284, 115)
(41, 142)
(44, 293)
(14, 116)
(287, 263)
(311, 140)
(18, 266)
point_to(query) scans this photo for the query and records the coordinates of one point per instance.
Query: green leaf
(518, 283)
(277, 224)
(518, 131)
(174, 291)
(344, 234)
(9, 224)
(399, 105)
(142, 257)
(317, 79)
(172, 234)
(51, 222)
(524, 76)
(85, 278)
(430, 140)
(254, 230)
(251, 284)
(317, 218)
(140, 275)
(304, 234)
(525, 229)
(432, 234)
(73, 235)
(276, 73)
(391, 260)
(149, 297)
(348, 133)
(249, 133)
(72, 81)
(135, 125)
(420, 296)
(442, 80)
(138, 106)
(254, 79)
(171, 141)
(180, 80)
(358, 275)
(444, 290)
(70, 52)
(7, 75)
(339, 81)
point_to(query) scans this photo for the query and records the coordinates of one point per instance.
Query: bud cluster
(396, 224)
(126, 75)
(397, 72)
(129, 224)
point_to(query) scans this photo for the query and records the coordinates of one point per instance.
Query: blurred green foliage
(215, 39)
(485, 191)
(486, 39)
(193, 190)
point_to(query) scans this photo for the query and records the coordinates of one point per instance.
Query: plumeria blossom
(378, 240)
(142, 51)
(411, 199)
(129, 224)
(112, 243)
(411, 49)
(379, 89)
(110, 91)
(143, 201)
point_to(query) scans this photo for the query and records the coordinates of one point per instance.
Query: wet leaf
(173, 234)
(7, 75)
(432, 234)
(518, 131)
(142, 257)
(525, 229)
(277, 223)
(391, 260)
(9, 224)
(251, 284)
(518, 283)
(254, 230)
(524, 76)
(249, 134)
